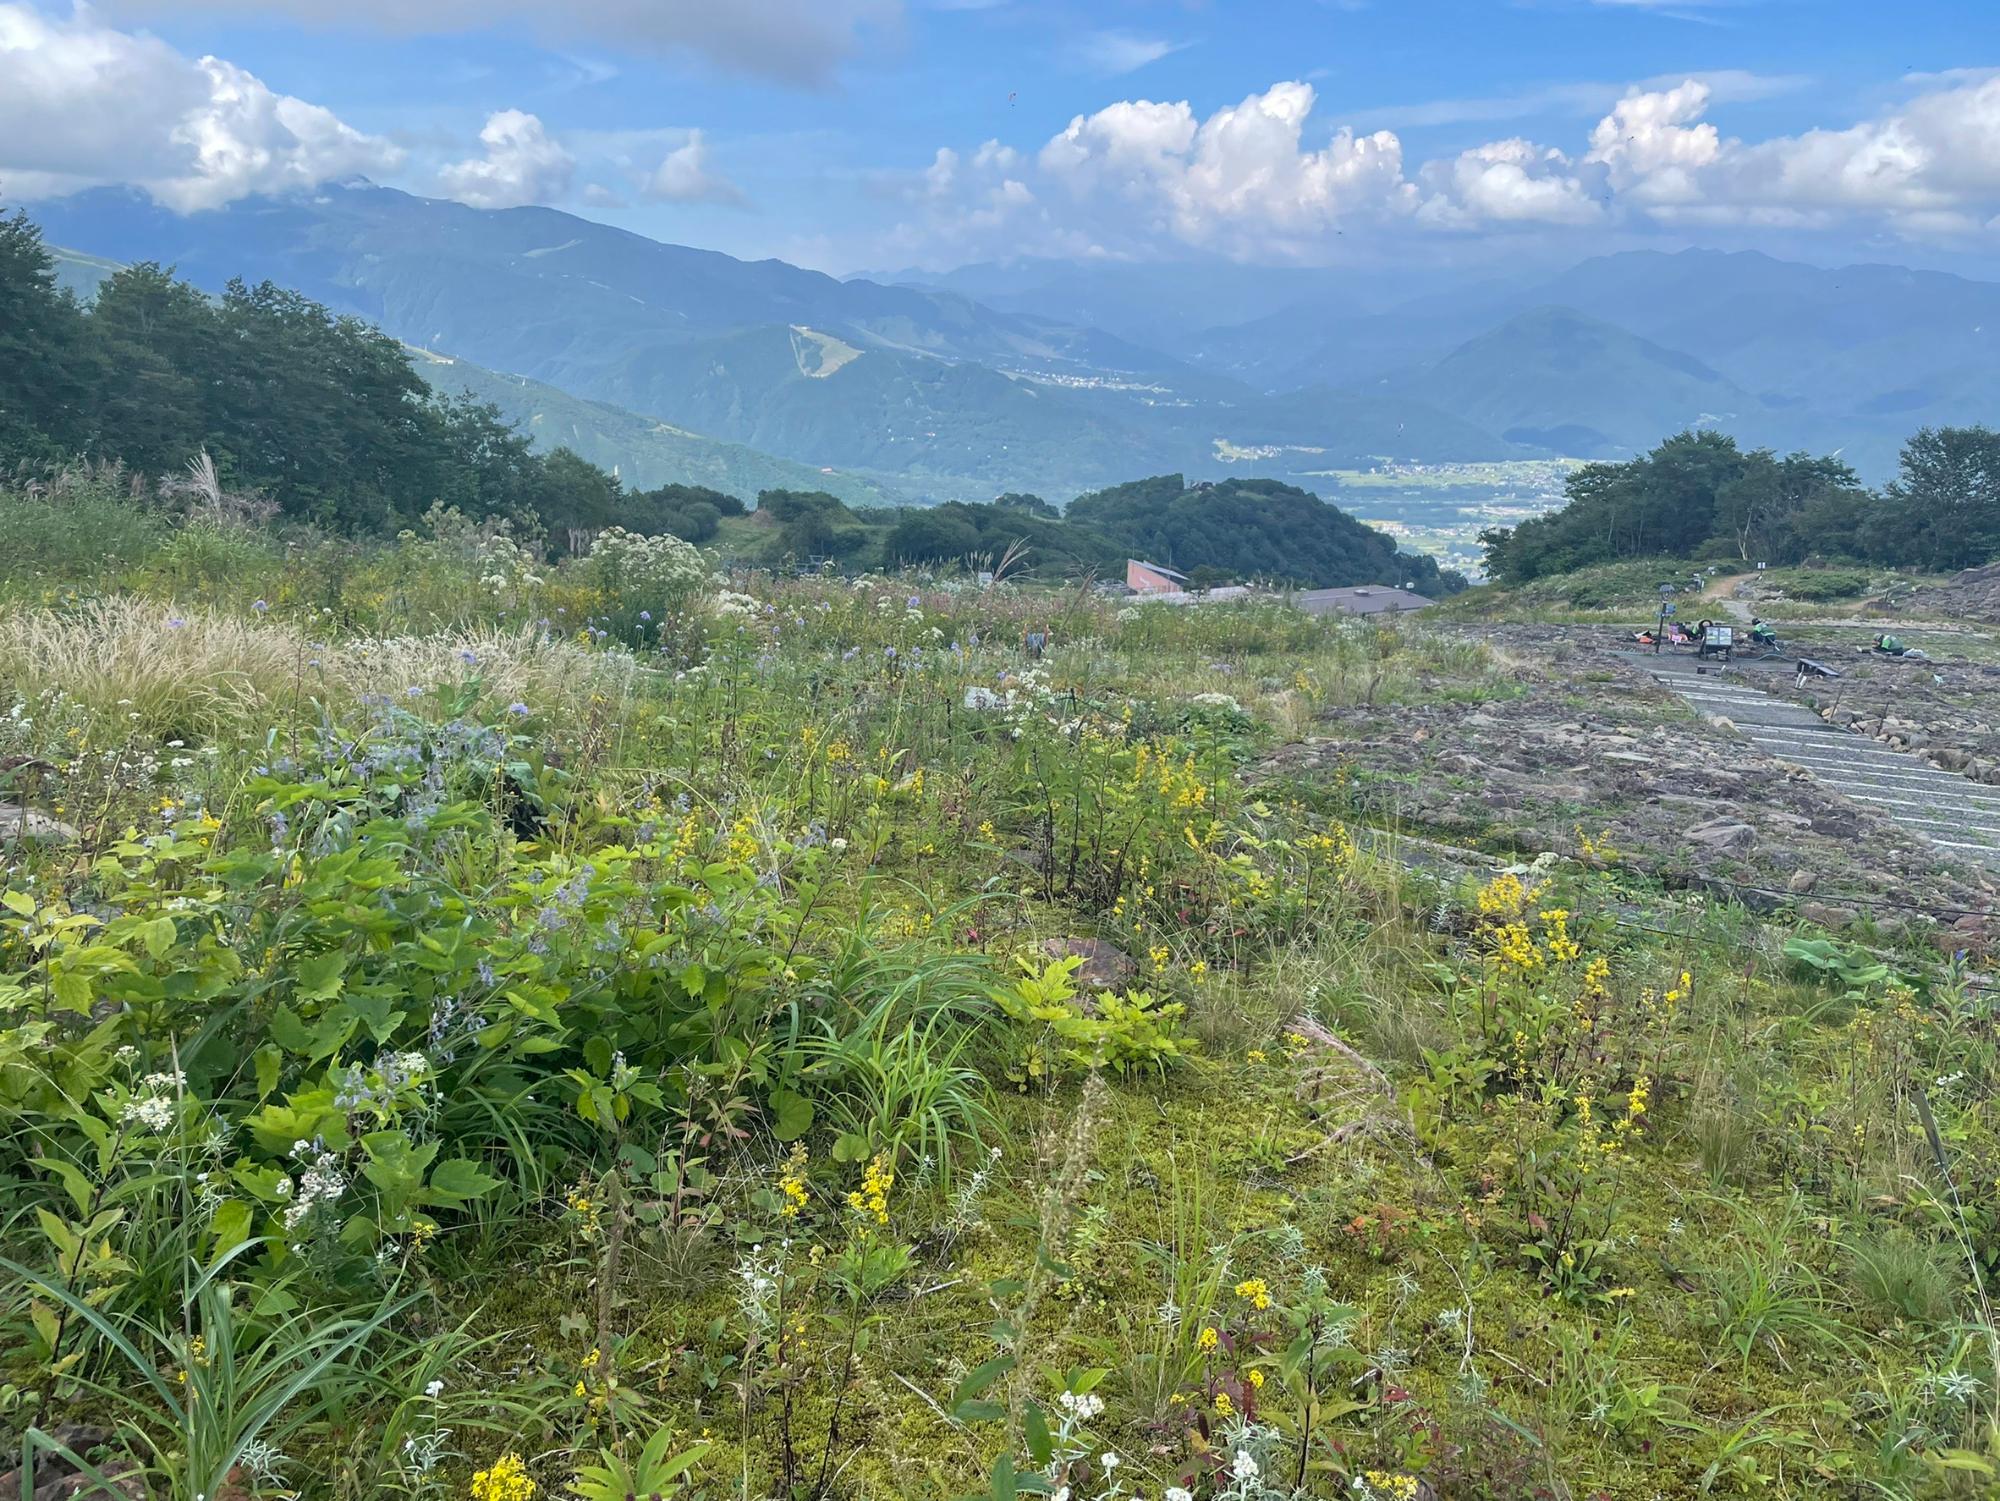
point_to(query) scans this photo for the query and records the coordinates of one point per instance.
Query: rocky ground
(1591, 752)
(1972, 595)
(1946, 709)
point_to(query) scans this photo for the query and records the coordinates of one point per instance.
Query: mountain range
(677, 363)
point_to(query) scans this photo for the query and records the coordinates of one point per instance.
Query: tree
(930, 537)
(575, 495)
(41, 385)
(810, 522)
(1034, 505)
(156, 348)
(1759, 511)
(1948, 496)
(697, 521)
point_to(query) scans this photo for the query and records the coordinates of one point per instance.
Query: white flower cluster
(152, 1109)
(320, 1182)
(660, 571)
(503, 565)
(1080, 1409)
(1216, 701)
(729, 602)
(757, 1295)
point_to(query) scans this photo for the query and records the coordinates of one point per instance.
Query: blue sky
(1313, 130)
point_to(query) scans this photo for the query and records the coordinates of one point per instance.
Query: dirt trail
(1723, 592)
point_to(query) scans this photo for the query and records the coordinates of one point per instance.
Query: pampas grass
(187, 672)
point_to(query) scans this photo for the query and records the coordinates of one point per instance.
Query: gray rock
(1723, 834)
(1104, 967)
(1803, 881)
(18, 823)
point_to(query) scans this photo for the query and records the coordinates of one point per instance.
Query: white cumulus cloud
(1507, 182)
(82, 103)
(522, 163)
(1244, 168)
(685, 176)
(1248, 179)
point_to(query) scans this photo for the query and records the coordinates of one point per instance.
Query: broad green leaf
(459, 1179)
(791, 1114)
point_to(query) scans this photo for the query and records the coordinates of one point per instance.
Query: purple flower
(518, 710)
(916, 601)
(262, 607)
(645, 614)
(175, 623)
(469, 658)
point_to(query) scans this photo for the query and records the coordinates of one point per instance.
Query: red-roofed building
(1153, 578)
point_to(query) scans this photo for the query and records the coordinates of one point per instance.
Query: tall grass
(171, 671)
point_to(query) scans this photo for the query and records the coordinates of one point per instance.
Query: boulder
(1104, 967)
(18, 823)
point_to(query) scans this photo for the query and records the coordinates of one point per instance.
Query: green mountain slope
(642, 451)
(925, 391)
(1556, 379)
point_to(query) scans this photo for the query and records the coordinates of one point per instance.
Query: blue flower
(518, 710)
(262, 606)
(645, 614)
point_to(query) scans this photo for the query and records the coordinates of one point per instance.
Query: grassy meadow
(510, 1029)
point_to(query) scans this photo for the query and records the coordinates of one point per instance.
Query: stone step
(1913, 794)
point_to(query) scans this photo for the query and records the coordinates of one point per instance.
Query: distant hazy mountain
(644, 452)
(1057, 378)
(927, 391)
(1553, 378)
(1855, 358)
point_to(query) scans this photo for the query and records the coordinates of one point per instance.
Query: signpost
(1668, 609)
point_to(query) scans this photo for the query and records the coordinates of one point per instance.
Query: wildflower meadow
(480, 1027)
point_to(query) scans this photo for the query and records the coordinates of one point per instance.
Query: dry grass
(179, 672)
(164, 670)
(511, 664)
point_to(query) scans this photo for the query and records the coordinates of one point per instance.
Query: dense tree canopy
(323, 414)
(1698, 496)
(1253, 529)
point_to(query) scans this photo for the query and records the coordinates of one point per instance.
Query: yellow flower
(795, 1196)
(1503, 896)
(506, 1480)
(1256, 1290)
(1256, 1055)
(1256, 1380)
(1223, 1405)
(1208, 1339)
(871, 1200)
(585, 1209)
